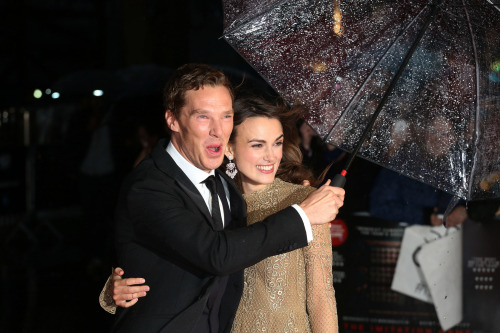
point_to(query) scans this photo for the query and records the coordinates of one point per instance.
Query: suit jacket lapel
(167, 165)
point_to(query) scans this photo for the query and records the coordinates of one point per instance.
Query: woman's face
(257, 150)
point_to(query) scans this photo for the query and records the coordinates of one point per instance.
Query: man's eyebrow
(201, 111)
(197, 111)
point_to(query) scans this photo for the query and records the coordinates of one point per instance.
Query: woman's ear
(229, 152)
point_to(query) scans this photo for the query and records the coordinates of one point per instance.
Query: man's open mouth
(215, 149)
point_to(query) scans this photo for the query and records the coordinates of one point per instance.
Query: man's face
(202, 130)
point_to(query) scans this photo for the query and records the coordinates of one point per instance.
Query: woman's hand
(126, 292)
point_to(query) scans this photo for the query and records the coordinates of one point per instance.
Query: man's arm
(166, 220)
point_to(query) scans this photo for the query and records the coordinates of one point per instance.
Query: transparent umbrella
(413, 86)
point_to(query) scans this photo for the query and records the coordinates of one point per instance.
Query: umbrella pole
(339, 179)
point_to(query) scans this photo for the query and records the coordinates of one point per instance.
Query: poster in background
(481, 273)
(363, 269)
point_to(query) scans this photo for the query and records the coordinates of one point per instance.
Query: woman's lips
(266, 168)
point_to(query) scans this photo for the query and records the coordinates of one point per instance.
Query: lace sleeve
(321, 303)
(105, 298)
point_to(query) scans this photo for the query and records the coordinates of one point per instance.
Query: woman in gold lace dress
(291, 292)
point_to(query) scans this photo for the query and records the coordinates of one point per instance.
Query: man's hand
(126, 292)
(322, 205)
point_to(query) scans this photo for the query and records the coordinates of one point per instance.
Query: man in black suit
(192, 250)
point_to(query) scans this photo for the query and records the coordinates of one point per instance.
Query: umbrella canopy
(410, 85)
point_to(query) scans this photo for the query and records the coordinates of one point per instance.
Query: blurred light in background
(495, 66)
(37, 93)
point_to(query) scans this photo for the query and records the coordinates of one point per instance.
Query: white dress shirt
(197, 176)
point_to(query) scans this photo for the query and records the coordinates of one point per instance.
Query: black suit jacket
(164, 233)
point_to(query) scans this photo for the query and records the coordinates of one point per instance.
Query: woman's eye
(279, 143)
(258, 145)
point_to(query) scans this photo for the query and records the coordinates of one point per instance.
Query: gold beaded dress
(290, 292)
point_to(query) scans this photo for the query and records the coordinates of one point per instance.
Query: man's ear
(171, 121)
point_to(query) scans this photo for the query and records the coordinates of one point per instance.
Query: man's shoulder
(148, 171)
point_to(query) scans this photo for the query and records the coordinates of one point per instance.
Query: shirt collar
(195, 175)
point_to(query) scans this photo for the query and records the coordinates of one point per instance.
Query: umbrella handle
(339, 180)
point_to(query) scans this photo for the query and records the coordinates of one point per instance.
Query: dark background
(55, 217)
(57, 191)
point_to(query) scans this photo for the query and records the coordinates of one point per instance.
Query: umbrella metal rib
(339, 180)
(474, 49)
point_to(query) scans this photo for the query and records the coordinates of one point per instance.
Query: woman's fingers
(126, 304)
(127, 291)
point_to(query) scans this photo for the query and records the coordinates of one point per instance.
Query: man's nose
(216, 128)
